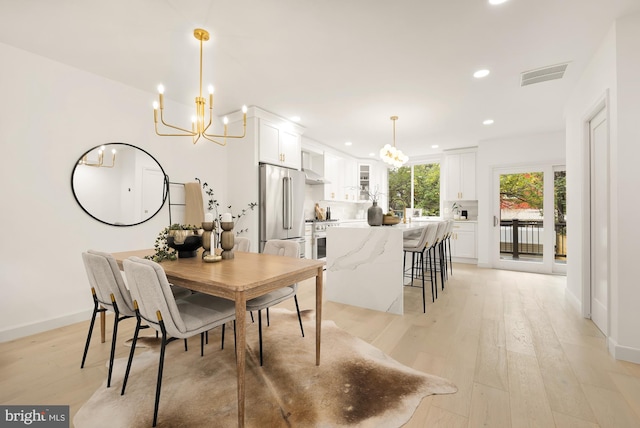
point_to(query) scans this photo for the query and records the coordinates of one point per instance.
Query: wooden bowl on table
(388, 220)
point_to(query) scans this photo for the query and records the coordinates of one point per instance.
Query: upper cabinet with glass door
(461, 176)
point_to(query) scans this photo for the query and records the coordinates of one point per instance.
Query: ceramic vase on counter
(374, 215)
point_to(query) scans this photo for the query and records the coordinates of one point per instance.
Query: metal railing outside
(524, 237)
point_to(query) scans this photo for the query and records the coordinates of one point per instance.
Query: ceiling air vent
(552, 72)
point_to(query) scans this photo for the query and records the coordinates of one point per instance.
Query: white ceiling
(343, 66)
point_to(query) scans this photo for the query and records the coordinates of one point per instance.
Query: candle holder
(208, 238)
(227, 239)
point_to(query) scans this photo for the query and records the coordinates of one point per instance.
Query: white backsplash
(339, 210)
(470, 206)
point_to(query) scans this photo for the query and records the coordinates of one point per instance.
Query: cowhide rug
(356, 384)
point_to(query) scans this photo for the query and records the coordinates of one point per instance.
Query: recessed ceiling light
(481, 73)
(295, 118)
(435, 146)
(488, 122)
(348, 143)
(497, 1)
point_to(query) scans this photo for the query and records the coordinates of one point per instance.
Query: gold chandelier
(100, 162)
(198, 127)
(389, 154)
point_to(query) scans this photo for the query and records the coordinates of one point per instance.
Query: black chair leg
(251, 312)
(160, 368)
(202, 344)
(404, 265)
(295, 299)
(133, 350)
(268, 323)
(260, 334)
(430, 267)
(434, 269)
(442, 267)
(424, 302)
(113, 340)
(450, 262)
(93, 320)
(222, 344)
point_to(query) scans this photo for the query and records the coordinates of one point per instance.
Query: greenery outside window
(416, 187)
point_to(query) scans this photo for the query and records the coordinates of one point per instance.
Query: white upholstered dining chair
(154, 303)
(109, 292)
(241, 244)
(285, 248)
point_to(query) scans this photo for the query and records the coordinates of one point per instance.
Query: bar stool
(439, 249)
(417, 247)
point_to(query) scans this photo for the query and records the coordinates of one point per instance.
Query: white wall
(612, 72)
(49, 116)
(625, 325)
(534, 150)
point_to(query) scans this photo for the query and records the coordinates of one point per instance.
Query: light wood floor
(519, 354)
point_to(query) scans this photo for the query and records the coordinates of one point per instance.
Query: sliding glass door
(526, 213)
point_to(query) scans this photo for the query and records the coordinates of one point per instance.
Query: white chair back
(417, 244)
(152, 292)
(286, 248)
(281, 247)
(442, 227)
(241, 244)
(432, 231)
(105, 277)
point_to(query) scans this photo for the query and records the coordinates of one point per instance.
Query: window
(416, 187)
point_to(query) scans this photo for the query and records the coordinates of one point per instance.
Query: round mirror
(119, 184)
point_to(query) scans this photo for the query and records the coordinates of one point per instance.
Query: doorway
(599, 219)
(525, 213)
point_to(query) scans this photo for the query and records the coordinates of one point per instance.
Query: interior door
(599, 153)
(152, 191)
(524, 219)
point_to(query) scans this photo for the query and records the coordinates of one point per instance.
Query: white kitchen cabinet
(463, 240)
(333, 173)
(278, 146)
(461, 176)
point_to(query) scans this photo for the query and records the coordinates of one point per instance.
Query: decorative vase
(207, 238)
(374, 215)
(227, 239)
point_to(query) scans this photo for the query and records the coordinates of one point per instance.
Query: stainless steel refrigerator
(281, 203)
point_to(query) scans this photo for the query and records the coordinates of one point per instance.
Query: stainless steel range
(319, 237)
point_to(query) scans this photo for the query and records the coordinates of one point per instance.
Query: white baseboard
(573, 300)
(40, 326)
(464, 260)
(624, 353)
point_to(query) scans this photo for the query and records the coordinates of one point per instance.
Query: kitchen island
(364, 265)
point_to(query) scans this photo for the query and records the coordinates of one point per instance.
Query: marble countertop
(405, 227)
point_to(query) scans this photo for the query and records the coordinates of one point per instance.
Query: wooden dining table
(244, 277)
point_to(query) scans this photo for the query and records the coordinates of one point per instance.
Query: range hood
(312, 177)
